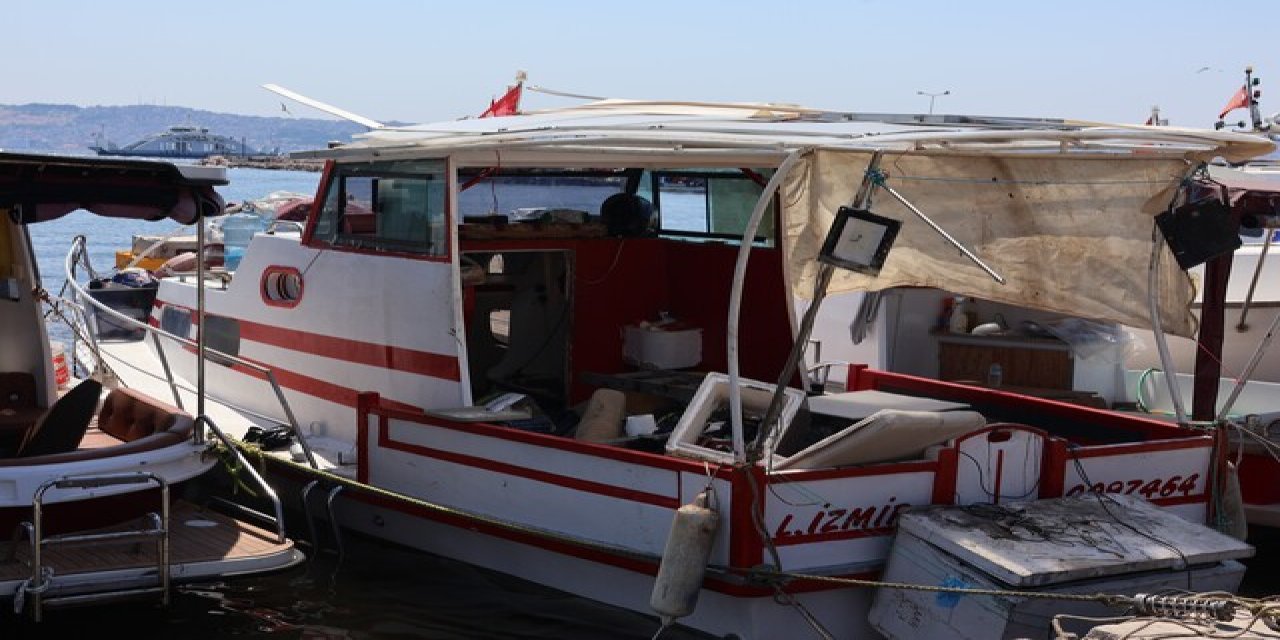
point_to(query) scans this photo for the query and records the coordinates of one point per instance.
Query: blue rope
(877, 177)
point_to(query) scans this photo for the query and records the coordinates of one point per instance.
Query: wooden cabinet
(1024, 362)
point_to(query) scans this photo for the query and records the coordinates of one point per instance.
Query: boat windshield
(709, 204)
(529, 194)
(391, 206)
(690, 204)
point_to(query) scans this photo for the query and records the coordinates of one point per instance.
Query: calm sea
(377, 591)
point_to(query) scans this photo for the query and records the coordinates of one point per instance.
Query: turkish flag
(507, 105)
(1240, 99)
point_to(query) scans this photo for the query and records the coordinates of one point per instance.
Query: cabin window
(281, 286)
(386, 206)
(176, 320)
(529, 195)
(709, 204)
(222, 335)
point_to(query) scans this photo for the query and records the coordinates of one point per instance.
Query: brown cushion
(60, 429)
(129, 415)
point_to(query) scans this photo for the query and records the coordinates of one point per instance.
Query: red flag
(507, 105)
(1239, 100)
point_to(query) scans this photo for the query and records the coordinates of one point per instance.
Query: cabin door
(518, 313)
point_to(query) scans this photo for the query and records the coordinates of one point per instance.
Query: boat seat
(62, 427)
(130, 416)
(136, 422)
(887, 435)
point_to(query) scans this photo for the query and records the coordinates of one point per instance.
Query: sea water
(375, 590)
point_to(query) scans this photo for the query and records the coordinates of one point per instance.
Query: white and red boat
(399, 318)
(86, 467)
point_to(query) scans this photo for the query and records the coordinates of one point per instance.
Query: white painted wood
(1065, 539)
(856, 405)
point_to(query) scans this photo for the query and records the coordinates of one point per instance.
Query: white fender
(684, 560)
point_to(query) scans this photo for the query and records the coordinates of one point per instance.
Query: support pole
(1243, 325)
(767, 427)
(735, 301)
(200, 324)
(1204, 394)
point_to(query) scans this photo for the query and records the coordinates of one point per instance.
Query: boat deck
(204, 544)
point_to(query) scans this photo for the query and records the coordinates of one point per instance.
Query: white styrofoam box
(712, 394)
(658, 349)
(959, 547)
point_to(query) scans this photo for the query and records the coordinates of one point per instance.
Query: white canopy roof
(1063, 209)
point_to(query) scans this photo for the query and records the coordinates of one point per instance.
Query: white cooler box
(1005, 547)
(654, 348)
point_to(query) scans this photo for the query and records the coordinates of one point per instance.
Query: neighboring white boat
(81, 466)
(181, 141)
(397, 334)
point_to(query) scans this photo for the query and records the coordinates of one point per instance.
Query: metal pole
(860, 201)
(168, 373)
(200, 323)
(1248, 370)
(956, 243)
(735, 301)
(1253, 284)
(932, 97)
(1157, 329)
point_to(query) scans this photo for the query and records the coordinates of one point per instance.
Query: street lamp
(932, 97)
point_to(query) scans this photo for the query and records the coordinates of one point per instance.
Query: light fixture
(859, 240)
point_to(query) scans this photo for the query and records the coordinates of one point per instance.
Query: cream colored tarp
(1070, 234)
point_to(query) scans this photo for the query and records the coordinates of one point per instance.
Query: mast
(1252, 95)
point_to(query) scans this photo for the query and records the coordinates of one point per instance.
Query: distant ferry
(184, 141)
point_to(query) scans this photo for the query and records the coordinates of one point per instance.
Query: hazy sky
(423, 61)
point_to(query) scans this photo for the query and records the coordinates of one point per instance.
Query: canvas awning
(38, 188)
(1070, 233)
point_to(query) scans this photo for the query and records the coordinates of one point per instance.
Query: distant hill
(71, 129)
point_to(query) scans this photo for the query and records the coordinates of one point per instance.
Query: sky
(427, 61)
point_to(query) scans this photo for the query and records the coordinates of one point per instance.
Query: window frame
(750, 175)
(373, 246)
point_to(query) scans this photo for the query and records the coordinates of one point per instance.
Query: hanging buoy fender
(684, 560)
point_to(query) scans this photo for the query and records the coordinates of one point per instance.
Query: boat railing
(157, 529)
(78, 255)
(242, 465)
(284, 225)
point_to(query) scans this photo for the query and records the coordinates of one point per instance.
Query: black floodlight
(1199, 231)
(859, 240)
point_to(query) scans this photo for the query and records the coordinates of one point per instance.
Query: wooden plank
(198, 535)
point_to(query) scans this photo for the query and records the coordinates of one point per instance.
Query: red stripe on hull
(424, 363)
(316, 387)
(667, 502)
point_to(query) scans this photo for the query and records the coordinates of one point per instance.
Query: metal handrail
(77, 247)
(257, 477)
(1243, 325)
(38, 583)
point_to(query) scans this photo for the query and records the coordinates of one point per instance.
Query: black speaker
(1199, 231)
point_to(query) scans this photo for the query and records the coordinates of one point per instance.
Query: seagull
(1204, 69)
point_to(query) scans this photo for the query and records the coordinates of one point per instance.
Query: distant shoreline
(280, 163)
